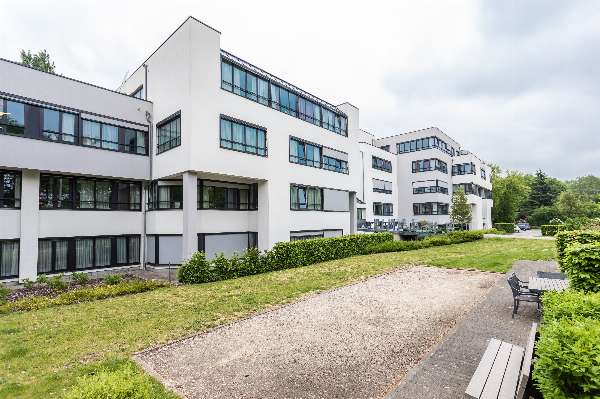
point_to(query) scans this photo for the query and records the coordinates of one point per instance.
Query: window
(91, 134)
(9, 258)
(58, 126)
(361, 213)
(383, 209)
(424, 144)
(430, 186)
(164, 194)
(382, 186)
(430, 208)
(463, 169)
(240, 136)
(305, 153)
(382, 164)
(134, 141)
(76, 253)
(483, 175)
(139, 93)
(426, 165)
(12, 117)
(306, 198)
(169, 133)
(10, 189)
(101, 135)
(227, 196)
(262, 90)
(67, 192)
(336, 165)
(385, 148)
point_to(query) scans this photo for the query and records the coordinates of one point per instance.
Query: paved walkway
(357, 341)
(534, 234)
(446, 372)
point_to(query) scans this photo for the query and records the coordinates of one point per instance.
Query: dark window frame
(5, 125)
(381, 190)
(426, 209)
(460, 169)
(173, 142)
(386, 209)
(381, 164)
(244, 145)
(17, 241)
(155, 204)
(15, 201)
(251, 205)
(435, 164)
(306, 188)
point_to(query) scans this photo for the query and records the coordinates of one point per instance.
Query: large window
(59, 126)
(241, 136)
(77, 253)
(12, 117)
(261, 89)
(10, 189)
(464, 169)
(134, 141)
(165, 194)
(317, 156)
(425, 143)
(430, 187)
(382, 186)
(430, 208)
(382, 164)
(68, 192)
(169, 133)
(100, 135)
(227, 196)
(306, 198)
(9, 258)
(383, 209)
(426, 165)
(483, 174)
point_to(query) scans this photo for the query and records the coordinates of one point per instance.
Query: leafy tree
(587, 186)
(460, 210)
(570, 204)
(40, 61)
(544, 191)
(509, 193)
(543, 215)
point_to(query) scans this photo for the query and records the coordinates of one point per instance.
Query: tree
(544, 191)
(543, 215)
(570, 204)
(509, 193)
(460, 210)
(587, 186)
(40, 61)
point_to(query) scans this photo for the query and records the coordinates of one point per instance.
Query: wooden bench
(503, 372)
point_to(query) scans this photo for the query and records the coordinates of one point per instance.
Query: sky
(516, 82)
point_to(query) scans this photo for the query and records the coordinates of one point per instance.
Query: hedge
(506, 227)
(283, 255)
(570, 304)
(567, 364)
(455, 237)
(564, 238)
(551, 229)
(581, 264)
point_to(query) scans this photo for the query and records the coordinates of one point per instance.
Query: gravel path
(354, 342)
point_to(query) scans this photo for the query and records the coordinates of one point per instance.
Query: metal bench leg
(515, 307)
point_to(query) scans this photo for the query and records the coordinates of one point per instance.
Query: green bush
(543, 215)
(564, 238)
(581, 264)
(113, 279)
(196, 270)
(457, 237)
(27, 283)
(42, 279)
(82, 295)
(4, 291)
(505, 227)
(124, 382)
(551, 229)
(570, 304)
(568, 365)
(57, 283)
(395, 246)
(80, 277)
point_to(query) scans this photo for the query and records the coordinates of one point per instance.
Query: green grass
(43, 352)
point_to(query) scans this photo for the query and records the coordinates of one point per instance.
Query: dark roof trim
(74, 80)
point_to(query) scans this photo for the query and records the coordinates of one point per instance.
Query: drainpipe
(150, 157)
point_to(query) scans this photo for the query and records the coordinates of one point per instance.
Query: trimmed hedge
(82, 295)
(581, 264)
(564, 238)
(567, 364)
(283, 255)
(551, 229)
(505, 227)
(570, 304)
(455, 237)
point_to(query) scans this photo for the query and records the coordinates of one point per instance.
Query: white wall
(10, 226)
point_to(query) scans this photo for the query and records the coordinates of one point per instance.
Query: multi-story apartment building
(198, 150)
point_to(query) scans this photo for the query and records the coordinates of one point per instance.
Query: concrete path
(534, 234)
(446, 372)
(357, 341)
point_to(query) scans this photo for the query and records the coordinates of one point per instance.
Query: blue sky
(516, 82)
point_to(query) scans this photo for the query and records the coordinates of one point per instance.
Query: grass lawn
(43, 352)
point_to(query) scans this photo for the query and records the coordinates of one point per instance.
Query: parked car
(523, 225)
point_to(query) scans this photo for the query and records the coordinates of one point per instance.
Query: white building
(197, 150)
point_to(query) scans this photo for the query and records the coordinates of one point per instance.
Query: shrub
(570, 304)
(568, 365)
(196, 270)
(27, 283)
(457, 237)
(505, 227)
(42, 279)
(396, 246)
(113, 279)
(82, 295)
(564, 238)
(543, 215)
(57, 283)
(124, 382)
(4, 291)
(437, 241)
(581, 263)
(80, 277)
(551, 229)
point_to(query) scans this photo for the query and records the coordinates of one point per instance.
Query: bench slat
(494, 381)
(512, 374)
(483, 369)
(526, 367)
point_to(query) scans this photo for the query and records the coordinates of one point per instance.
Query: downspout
(150, 156)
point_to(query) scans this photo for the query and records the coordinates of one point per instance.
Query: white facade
(197, 150)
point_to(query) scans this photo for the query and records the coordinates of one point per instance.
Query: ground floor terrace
(367, 322)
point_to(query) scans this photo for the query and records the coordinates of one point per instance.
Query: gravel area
(357, 341)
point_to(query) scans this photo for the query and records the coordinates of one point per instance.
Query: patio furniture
(503, 371)
(521, 293)
(539, 285)
(560, 276)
